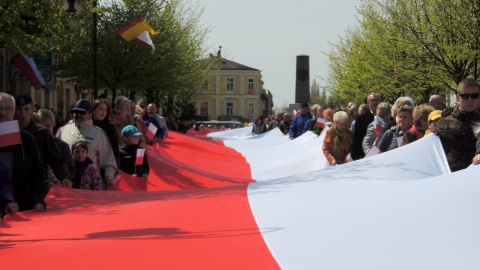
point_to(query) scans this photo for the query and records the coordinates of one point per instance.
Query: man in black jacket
(361, 124)
(456, 130)
(25, 164)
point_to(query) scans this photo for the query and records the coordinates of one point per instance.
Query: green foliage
(406, 48)
(167, 77)
(34, 25)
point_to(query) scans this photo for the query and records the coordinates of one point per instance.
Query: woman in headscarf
(338, 140)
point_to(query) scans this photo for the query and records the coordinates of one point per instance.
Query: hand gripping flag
(139, 31)
(140, 156)
(28, 69)
(10, 133)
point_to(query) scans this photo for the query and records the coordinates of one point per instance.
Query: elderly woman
(393, 137)
(377, 128)
(338, 139)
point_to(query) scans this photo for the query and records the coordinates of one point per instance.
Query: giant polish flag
(28, 69)
(10, 133)
(399, 210)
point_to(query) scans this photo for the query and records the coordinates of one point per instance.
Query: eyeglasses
(466, 96)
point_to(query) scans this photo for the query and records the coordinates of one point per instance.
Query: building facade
(233, 92)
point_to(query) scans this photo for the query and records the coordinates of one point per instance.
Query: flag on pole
(10, 133)
(28, 69)
(139, 31)
(151, 131)
(140, 156)
(320, 122)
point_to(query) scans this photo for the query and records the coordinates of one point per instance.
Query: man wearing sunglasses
(456, 130)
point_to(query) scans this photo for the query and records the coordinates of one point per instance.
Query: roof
(231, 65)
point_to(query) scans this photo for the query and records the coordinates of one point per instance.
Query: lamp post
(71, 8)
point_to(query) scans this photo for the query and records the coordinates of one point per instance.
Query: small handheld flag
(140, 156)
(10, 133)
(151, 131)
(320, 122)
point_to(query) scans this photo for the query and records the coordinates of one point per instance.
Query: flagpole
(95, 53)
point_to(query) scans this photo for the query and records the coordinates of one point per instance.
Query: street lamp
(71, 8)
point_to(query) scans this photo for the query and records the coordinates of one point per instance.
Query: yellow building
(234, 92)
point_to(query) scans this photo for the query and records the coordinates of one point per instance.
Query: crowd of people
(352, 132)
(88, 151)
(98, 143)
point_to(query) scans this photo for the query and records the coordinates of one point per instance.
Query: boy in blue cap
(131, 161)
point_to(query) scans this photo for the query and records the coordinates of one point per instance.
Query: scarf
(337, 141)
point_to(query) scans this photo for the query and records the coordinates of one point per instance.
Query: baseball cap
(130, 130)
(434, 115)
(82, 105)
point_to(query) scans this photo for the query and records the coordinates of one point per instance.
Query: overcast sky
(268, 35)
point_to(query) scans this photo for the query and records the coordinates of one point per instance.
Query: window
(205, 85)
(251, 84)
(251, 111)
(230, 84)
(204, 108)
(229, 108)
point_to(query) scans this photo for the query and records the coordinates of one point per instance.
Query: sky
(268, 35)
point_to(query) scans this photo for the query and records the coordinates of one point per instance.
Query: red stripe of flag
(376, 126)
(10, 133)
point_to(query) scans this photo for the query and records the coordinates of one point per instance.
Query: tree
(167, 77)
(406, 48)
(30, 26)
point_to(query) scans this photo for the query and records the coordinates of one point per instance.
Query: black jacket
(28, 172)
(360, 130)
(128, 154)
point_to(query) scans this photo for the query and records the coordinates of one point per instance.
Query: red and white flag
(28, 69)
(320, 122)
(10, 133)
(376, 126)
(294, 113)
(139, 31)
(140, 156)
(151, 131)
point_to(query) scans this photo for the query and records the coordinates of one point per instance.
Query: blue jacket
(297, 127)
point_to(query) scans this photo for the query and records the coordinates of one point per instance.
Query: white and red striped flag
(151, 131)
(320, 122)
(294, 113)
(10, 133)
(29, 69)
(140, 156)
(376, 126)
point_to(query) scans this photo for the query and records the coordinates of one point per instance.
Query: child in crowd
(87, 175)
(128, 153)
(408, 137)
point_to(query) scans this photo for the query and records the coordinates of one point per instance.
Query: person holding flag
(133, 159)
(19, 153)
